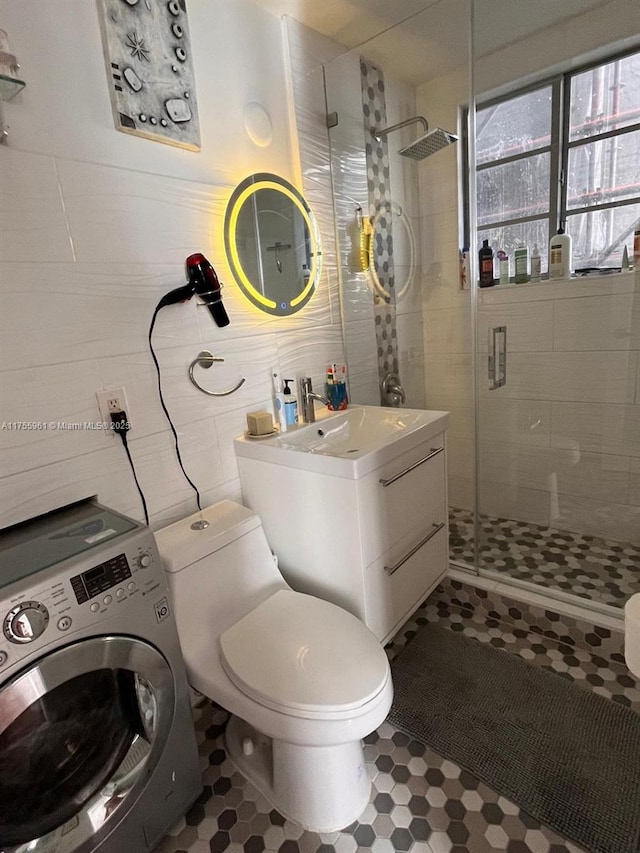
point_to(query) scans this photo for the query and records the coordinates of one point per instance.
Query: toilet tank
(217, 574)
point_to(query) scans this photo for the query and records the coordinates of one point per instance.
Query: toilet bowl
(303, 679)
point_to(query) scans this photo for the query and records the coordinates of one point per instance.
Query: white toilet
(303, 679)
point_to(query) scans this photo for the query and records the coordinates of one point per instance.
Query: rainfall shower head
(430, 142)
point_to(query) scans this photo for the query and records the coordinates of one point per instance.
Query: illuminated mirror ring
(400, 216)
(272, 244)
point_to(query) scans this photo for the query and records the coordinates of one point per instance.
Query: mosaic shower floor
(420, 802)
(586, 566)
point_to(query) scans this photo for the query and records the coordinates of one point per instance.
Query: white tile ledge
(574, 611)
(562, 288)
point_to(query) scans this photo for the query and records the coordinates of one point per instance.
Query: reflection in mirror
(272, 244)
(378, 94)
(404, 248)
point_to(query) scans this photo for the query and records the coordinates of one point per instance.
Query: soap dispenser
(290, 404)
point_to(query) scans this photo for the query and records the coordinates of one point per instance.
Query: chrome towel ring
(205, 359)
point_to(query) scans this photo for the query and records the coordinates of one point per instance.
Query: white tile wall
(122, 216)
(32, 220)
(568, 419)
(529, 326)
(96, 226)
(461, 491)
(597, 323)
(525, 422)
(620, 522)
(461, 455)
(446, 309)
(448, 330)
(597, 428)
(411, 358)
(46, 399)
(449, 380)
(567, 470)
(515, 502)
(590, 377)
(64, 312)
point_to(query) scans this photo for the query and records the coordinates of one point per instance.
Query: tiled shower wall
(445, 307)
(96, 226)
(319, 64)
(560, 442)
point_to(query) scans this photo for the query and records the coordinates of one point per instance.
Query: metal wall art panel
(149, 65)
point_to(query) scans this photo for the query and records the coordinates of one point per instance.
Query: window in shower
(568, 151)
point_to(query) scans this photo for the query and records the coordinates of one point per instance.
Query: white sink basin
(347, 444)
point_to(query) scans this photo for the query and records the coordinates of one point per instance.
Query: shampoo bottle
(290, 404)
(560, 255)
(536, 263)
(485, 258)
(503, 267)
(521, 259)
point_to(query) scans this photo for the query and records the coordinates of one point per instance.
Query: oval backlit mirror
(272, 244)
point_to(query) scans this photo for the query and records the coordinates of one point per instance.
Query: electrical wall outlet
(111, 400)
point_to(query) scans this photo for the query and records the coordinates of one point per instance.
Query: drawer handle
(434, 452)
(391, 569)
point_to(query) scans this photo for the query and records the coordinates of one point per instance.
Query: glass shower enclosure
(542, 380)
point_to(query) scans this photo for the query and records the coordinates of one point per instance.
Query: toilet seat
(303, 656)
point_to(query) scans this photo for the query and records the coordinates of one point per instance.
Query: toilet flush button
(247, 746)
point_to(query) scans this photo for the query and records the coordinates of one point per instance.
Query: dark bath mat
(568, 757)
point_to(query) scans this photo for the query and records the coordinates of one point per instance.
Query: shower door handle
(497, 357)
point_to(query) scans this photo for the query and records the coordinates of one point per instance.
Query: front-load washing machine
(97, 746)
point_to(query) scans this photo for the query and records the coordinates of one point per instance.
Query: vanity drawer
(403, 498)
(400, 580)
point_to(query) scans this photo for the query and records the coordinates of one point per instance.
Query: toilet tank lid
(181, 546)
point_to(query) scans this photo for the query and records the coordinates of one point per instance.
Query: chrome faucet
(307, 396)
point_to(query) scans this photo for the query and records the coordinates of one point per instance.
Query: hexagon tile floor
(586, 566)
(420, 802)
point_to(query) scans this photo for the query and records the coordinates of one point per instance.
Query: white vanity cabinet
(376, 543)
(406, 553)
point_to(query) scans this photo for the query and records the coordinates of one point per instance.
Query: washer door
(80, 732)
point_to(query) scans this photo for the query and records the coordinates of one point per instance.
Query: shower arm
(378, 134)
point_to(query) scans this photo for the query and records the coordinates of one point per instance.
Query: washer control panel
(100, 578)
